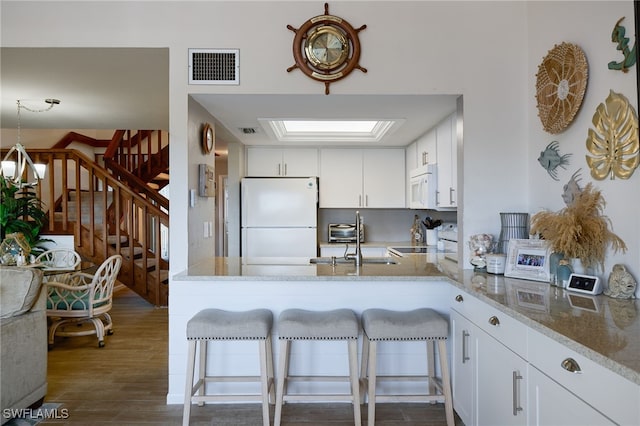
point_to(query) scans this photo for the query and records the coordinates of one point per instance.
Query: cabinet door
(501, 384)
(427, 148)
(341, 178)
(552, 405)
(463, 366)
(384, 178)
(411, 156)
(300, 162)
(264, 162)
(446, 154)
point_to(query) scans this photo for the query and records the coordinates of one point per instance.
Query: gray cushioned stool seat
(217, 324)
(380, 325)
(419, 324)
(217, 327)
(302, 325)
(338, 324)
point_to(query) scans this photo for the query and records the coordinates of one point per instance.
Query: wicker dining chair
(83, 298)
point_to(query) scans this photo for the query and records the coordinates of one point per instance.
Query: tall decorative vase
(514, 226)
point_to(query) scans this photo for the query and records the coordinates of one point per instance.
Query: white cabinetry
(426, 148)
(463, 366)
(505, 373)
(357, 178)
(447, 159)
(578, 381)
(282, 162)
(489, 378)
(553, 405)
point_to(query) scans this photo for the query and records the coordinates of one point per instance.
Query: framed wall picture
(206, 181)
(528, 259)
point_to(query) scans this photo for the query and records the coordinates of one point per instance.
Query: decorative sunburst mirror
(613, 144)
(560, 86)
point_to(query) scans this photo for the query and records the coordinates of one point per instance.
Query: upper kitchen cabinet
(447, 160)
(282, 162)
(426, 148)
(362, 178)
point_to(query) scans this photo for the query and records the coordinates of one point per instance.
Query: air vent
(248, 130)
(214, 66)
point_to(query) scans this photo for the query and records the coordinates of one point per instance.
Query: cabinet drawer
(508, 331)
(606, 391)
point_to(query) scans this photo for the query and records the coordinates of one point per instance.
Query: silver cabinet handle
(285, 169)
(494, 320)
(451, 191)
(571, 365)
(279, 169)
(516, 393)
(459, 298)
(437, 198)
(366, 200)
(465, 348)
(359, 200)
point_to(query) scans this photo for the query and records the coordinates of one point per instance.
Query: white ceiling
(128, 88)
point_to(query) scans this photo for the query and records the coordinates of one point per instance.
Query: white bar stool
(217, 324)
(298, 324)
(420, 324)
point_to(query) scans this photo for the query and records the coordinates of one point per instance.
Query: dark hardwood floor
(125, 383)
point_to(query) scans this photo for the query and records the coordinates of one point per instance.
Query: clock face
(208, 139)
(327, 48)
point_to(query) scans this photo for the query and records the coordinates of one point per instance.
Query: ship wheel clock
(326, 48)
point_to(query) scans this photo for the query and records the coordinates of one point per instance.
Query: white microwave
(422, 187)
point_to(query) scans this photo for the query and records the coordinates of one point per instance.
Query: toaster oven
(344, 233)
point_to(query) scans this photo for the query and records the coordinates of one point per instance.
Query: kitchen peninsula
(559, 349)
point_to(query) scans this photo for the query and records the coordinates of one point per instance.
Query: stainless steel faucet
(357, 256)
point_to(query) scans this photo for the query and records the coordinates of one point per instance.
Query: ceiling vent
(248, 130)
(214, 66)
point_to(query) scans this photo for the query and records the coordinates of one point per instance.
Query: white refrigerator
(279, 217)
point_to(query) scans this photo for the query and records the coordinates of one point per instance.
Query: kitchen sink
(343, 261)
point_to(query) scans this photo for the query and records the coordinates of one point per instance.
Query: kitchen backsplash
(380, 224)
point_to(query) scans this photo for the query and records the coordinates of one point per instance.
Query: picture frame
(206, 181)
(528, 259)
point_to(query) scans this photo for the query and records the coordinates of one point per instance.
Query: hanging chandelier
(15, 163)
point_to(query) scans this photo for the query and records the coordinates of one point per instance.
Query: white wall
(589, 25)
(204, 210)
(486, 51)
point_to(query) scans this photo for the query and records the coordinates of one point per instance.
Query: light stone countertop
(603, 329)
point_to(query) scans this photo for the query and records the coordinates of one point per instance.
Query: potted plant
(21, 211)
(580, 230)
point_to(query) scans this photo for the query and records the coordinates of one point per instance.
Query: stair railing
(137, 158)
(107, 215)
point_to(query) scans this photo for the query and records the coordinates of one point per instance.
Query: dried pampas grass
(580, 230)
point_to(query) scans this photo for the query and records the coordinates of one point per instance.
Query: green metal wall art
(630, 55)
(613, 144)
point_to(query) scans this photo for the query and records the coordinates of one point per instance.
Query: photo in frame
(528, 259)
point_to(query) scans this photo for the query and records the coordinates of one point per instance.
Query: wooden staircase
(113, 212)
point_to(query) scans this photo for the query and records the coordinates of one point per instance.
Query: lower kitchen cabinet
(506, 373)
(501, 377)
(463, 366)
(489, 380)
(552, 405)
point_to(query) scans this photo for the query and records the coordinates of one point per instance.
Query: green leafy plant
(21, 211)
